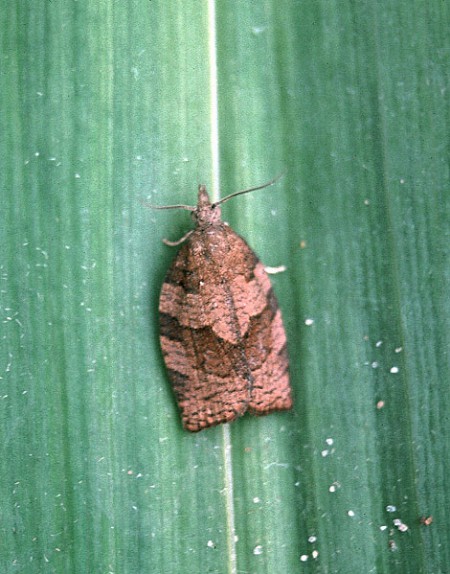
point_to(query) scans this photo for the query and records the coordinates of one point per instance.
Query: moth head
(206, 213)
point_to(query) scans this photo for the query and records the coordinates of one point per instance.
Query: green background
(107, 105)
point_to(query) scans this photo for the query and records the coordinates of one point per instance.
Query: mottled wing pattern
(266, 352)
(221, 331)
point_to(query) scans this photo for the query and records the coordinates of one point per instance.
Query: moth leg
(179, 241)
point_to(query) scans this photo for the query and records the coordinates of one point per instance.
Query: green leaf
(106, 106)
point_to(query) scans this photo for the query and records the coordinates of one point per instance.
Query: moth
(221, 331)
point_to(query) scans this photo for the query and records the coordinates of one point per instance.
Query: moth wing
(222, 334)
(200, 342)
(261, 329)
(266, 352)
(261, 332)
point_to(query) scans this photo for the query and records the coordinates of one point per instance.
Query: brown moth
(221, 331)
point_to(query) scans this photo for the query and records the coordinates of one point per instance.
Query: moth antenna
(236, 193)
(187, 207)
